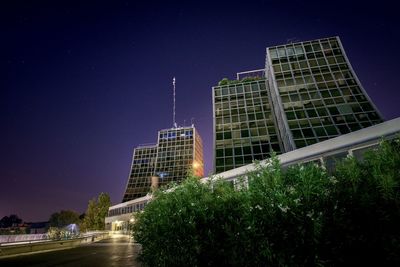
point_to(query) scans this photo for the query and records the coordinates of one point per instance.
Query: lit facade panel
(244, 124)
(143, 164)
(198, 162)
(316, 93)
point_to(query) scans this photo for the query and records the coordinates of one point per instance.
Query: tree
(88, 222)
(96, 213)
(8, 221)
(64, 218)
(103, 203)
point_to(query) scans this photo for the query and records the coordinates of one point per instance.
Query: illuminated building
(307, 93)
(142, 170)
(316, 93)
(178, 152)
(244, 124)
(325, 153)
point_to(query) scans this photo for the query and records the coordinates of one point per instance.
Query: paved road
(115, 251)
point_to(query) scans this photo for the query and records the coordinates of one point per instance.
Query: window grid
(171, 160)
(244, 124)
(141, 171)
(320, 95)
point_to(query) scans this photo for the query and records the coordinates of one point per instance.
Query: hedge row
(298, 217)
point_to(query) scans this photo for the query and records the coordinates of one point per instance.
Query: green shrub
(226, 81)
(55, 233)
(363, 223)
(298, 217)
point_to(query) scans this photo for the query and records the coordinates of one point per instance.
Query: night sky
(82, 84)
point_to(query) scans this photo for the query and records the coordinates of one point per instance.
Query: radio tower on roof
(174, 121)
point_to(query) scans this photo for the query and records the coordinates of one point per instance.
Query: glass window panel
(238, 161)
(343, 128)
(273, 53)
(228, 152)
(308, 47)
(290, 51)
(331, 161)
(320, 131)
(300, 143)
(282, 52)
(331, 130)
(297, 134)
(246, 150)
(299, 50)
(311, 113)
(316, 46)
(277, 68)
(275, 147)
(307, 132)
(227, 135)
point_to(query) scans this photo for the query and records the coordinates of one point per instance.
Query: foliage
(9, 221)
(103, 203)
(14, 231)
(64, 218)
(56, 233)
(298, 217)
(226, 81)
(11, 225)
(96, 213)
(363, 226)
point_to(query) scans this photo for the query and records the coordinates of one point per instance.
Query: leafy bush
(55, 233)
(226, 81)
(362, 226)
(298, 217)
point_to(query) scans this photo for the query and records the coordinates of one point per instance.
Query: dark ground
(116, 251)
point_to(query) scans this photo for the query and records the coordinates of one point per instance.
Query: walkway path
(115, 251)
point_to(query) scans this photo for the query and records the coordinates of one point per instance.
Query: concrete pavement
(115, 251)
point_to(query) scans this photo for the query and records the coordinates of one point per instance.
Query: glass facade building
(143, 164)
(317, 92)
(178, 152)
(244, 123)
(309, 93)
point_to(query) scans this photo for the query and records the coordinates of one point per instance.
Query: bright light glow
(196, 165)
(132, 220)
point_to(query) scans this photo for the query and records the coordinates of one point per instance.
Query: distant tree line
(64, 218)
(9, 221)
(91, 220)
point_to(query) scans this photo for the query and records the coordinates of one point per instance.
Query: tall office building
(244, 124)
(142, 169)
(316, 92)
(178, 152)
(313, 95)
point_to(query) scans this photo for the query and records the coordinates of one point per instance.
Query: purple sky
(83, 84)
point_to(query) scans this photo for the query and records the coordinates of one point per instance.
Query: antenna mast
(173, 83)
